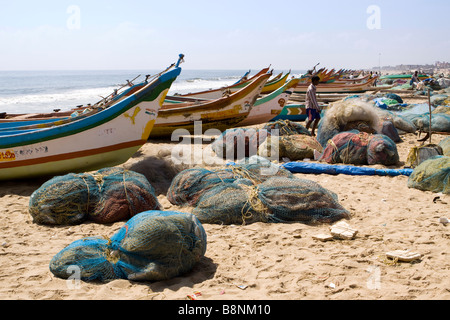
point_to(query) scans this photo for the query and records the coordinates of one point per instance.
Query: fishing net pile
(442, 109)
(400, 122)
(440, 100)
(286, 128)
(432, 175)
(238, 143)
(360, 148)
(294, 147)
(276, 200)
(189, 185)
(345, 115)
(290, 140)
(253, 190)
(445, 145)
(151, 246)
(440, 122)
(419, 154)
(382, 150)
(105, 196)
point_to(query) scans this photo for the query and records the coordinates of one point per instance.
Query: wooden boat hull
(274, 85)
(266, 108)
(338, 88)
(107, 138)
(221, 114)
(219, 93)
(292, 112)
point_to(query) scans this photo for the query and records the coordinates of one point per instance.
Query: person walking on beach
(312, 107)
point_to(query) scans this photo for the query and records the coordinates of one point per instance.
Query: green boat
(403, 76)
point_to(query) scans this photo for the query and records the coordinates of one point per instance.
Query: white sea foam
(48, 101)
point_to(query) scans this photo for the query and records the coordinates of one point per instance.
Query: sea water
(44, 91)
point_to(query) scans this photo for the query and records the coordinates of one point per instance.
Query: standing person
(415, 79)
(312, 107)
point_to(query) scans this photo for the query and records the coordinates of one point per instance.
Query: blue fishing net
(440, 122)
(105, 196)
(382, 150)
(276, 200)
(388, 129)
(403, 123)
(326, 132)
(432, 175)
(151, 246)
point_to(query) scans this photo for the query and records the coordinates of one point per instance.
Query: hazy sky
(228, 34)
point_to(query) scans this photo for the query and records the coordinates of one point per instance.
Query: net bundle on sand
(238, 143)
(276, 200)
(105, 196)
(432, 175)
(360, 148)
(445, 145)
(440, 122)
(294, 147)
(189, 185)
(151, 246)
(357, 114)
(290, 140)
(286, 128)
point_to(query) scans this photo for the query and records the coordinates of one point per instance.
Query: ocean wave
(46, 102)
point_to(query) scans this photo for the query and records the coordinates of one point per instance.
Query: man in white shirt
(312, 107)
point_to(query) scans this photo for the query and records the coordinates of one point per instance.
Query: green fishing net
(105, 196)
(189, 185)
(445, 145)
(432, 175)
(276, 200)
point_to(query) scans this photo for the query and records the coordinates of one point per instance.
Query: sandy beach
(257, 261)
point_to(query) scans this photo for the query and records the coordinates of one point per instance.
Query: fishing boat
(269, 106)
(106, 138)
(292, 112)
(244, 77)
(338, 88)
(403, 77)
(218, 93)
(222, 113)
(275, 84)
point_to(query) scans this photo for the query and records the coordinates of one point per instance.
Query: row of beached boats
(111, 131)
